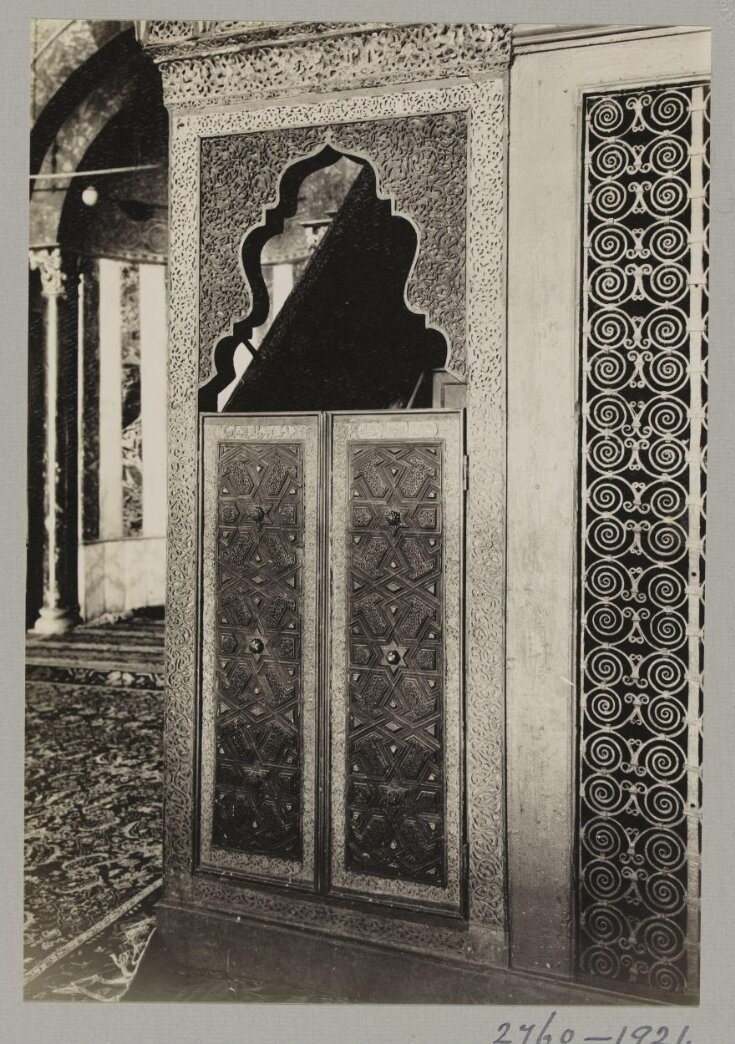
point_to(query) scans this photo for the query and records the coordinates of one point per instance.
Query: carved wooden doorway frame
(483, 102)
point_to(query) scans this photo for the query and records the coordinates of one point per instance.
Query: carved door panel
(395, 543)
(331, 682)
(259, 648)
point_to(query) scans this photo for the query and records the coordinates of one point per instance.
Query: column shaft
(60, 609)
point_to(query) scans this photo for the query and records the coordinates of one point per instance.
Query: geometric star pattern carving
(395, 757)
(257, 804)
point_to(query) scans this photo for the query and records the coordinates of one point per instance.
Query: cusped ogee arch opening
(346, 337)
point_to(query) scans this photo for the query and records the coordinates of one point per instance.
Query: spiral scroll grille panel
(642, 486)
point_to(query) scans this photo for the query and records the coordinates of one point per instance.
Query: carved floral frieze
(199, 70)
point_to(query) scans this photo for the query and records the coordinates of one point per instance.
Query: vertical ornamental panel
(641, 528)
(132, 442)
(259, 587)
(395, 753)
(89, 303)
(396, 646)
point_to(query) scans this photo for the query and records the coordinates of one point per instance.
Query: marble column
(58, 279)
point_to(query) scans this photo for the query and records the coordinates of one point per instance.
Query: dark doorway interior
(345, 338)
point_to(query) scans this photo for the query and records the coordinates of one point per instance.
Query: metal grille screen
(642, 489)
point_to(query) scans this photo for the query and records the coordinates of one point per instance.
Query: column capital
(48, 261)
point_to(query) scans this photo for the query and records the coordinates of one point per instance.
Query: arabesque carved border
(359, 56)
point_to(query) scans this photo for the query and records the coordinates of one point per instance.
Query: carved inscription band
(363, 55)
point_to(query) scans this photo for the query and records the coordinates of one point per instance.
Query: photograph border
(712, 1020)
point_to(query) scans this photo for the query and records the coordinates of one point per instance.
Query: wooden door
(260, 483)
(395, 543)
(332, 654)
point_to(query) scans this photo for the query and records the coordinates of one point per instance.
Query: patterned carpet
(93, 836)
